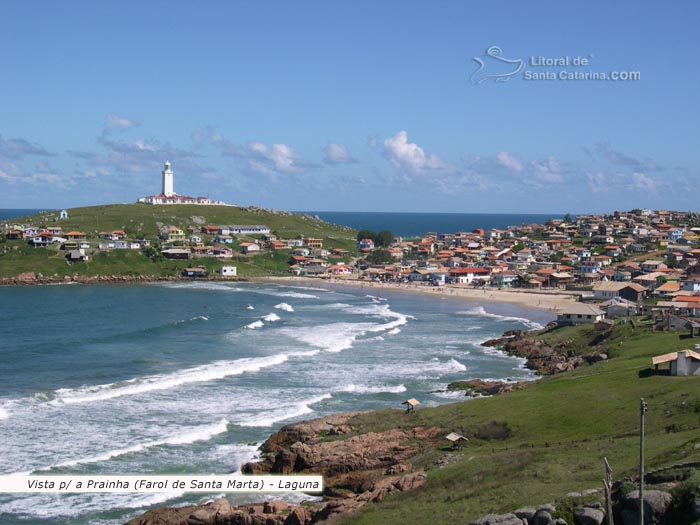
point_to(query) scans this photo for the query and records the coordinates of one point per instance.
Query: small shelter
(683, 363)
(411, 404)
(455, 439)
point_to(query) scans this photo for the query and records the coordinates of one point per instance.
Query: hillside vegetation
(141, 221)
(537, 444)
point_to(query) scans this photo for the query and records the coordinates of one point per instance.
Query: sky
(424, 106)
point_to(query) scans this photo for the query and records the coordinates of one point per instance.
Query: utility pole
(642, 411)
(607, 484)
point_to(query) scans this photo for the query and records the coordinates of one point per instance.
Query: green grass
(562, 428)
(143, 221)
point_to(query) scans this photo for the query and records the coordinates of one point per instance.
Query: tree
(567, 218)
(380, 257)
(365, 234)
(384, 238)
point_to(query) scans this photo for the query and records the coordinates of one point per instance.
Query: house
(227, 271)
(652, 266)
(505, 279)
(469, 275)
(63, 214)
(176, 253)
(75, 235)
(195, 272)
(173, 233)
(611, 289)
(314, 243)
(77, 256)
(365, 244)
(210, 230)
(683, 363)
(248, 229)
(579, 313)
(222, 252)
(195, 239)
(249, 247)
(224, 239)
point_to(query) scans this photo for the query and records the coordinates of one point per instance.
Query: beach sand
(551, 301)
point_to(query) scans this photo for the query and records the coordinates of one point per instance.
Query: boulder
(499, 519)
(656, 503)
(588, 516)
(526, 513)
(542, 517)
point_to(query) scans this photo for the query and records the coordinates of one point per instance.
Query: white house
(250, 247)
(228, 271)
(63, 214)
(579, 313)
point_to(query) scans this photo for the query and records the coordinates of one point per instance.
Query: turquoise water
(189, 378)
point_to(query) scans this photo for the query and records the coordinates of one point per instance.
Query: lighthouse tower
(168, 180)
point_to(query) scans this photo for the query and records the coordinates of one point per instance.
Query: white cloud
(597, 182)
(410, 157)
(643, 182)
(117, 123)
(337, 154)
(548, 170)
(510, 161)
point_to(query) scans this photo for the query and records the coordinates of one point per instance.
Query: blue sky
(355, 106)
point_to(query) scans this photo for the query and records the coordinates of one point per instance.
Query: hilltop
(143, 226)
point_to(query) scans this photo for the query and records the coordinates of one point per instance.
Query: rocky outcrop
(540, 356)
(220, 512)
(479, 387)
(357, 470)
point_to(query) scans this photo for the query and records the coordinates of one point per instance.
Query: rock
(560, 521)
(274, 507)
(656, 503)
(548, 507)
(211, 513)
(542, 517)
(159, 516)
(525, 513)
(499, 519)
(26, 277)
(588, 516)
(298, 516)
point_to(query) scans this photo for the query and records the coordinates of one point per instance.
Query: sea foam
(141, 385)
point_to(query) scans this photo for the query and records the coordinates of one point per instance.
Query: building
(168, 195)
(228, 271)
(579, 313)
(683, 363)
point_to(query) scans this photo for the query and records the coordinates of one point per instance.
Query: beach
(551, 301)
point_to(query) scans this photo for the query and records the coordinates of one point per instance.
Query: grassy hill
(141, 221)
(535, 445)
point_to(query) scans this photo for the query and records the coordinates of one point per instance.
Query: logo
(492, 66)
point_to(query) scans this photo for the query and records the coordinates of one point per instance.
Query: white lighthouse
(168, 180)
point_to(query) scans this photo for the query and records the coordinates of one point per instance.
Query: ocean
(401, 224)
(191, 377)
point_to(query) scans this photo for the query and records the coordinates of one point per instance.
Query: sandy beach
(551, 301)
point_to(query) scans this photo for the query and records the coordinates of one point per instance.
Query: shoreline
(547, 301)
